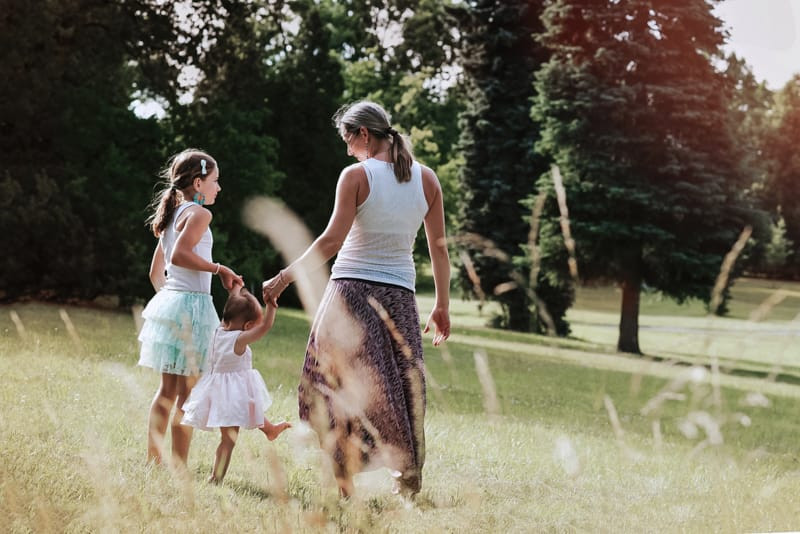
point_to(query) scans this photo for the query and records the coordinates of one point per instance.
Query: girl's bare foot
(273, 431)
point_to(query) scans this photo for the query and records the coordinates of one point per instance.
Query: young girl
(180, 319)
(232, 394)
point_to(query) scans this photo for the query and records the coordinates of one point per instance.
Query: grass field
(577, 438)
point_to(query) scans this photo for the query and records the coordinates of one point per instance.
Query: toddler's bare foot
(273, 431)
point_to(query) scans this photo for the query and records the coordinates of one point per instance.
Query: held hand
(230, 280)
(272, 289)
(236, 288)
(440, 317)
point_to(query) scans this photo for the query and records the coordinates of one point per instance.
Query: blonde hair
(350, 117)
(179, 173)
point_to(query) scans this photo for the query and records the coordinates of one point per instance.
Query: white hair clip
(203, 166)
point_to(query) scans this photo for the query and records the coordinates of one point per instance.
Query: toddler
(232, 394)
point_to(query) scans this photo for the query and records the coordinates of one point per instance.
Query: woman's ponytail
(349, 118)
(401, 156)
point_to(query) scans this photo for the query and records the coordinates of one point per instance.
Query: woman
(363, 387)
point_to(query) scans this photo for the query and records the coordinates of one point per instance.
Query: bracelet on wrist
(218, 266)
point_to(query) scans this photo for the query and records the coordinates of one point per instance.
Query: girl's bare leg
(222, 458)
(162, 404)
(273, 431)
(181, 434)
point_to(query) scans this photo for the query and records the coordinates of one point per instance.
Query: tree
(778, 250)
(637, 118)
(304, 90)
(500, 168)
(339, 53)
(68, 136)
(750, 111)
(229, 116)
(783, 181)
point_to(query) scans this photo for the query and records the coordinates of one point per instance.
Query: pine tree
(500, 168)
(636, 117)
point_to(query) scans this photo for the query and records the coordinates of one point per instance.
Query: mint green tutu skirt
(177, 332)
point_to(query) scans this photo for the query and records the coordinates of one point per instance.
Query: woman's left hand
(440, 317)
(272, 289)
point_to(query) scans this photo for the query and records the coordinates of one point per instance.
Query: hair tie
(391, 131)
(203, 167)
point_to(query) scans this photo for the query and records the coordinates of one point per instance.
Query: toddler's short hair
(240, 306)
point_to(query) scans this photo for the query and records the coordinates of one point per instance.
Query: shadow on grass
(786, 378)
(249, 489)
(781, 377)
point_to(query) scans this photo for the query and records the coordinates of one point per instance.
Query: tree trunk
(629, 317)
(519, 315)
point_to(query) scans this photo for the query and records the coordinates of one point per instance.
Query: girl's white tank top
(379, 246)
(180, 278)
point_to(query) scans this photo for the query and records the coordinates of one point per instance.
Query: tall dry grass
(521, 436)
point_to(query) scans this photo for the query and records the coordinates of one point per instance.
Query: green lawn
(582, 439)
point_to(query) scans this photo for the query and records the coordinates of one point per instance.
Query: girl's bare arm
(157, 267)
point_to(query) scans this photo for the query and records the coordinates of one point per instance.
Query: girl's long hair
(177, 175)
(349, 118)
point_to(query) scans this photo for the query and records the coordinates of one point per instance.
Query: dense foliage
(665, 146)
(75, 161)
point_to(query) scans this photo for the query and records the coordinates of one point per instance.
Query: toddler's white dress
(231, 393)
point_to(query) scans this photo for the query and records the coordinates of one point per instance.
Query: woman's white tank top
(180, 278)
(379, 246)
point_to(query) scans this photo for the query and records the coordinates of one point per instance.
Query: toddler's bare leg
(222, 458)
(273, 431)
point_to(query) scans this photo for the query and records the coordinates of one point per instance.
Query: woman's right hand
(440, 317)
(229, 278)
(272, 289)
